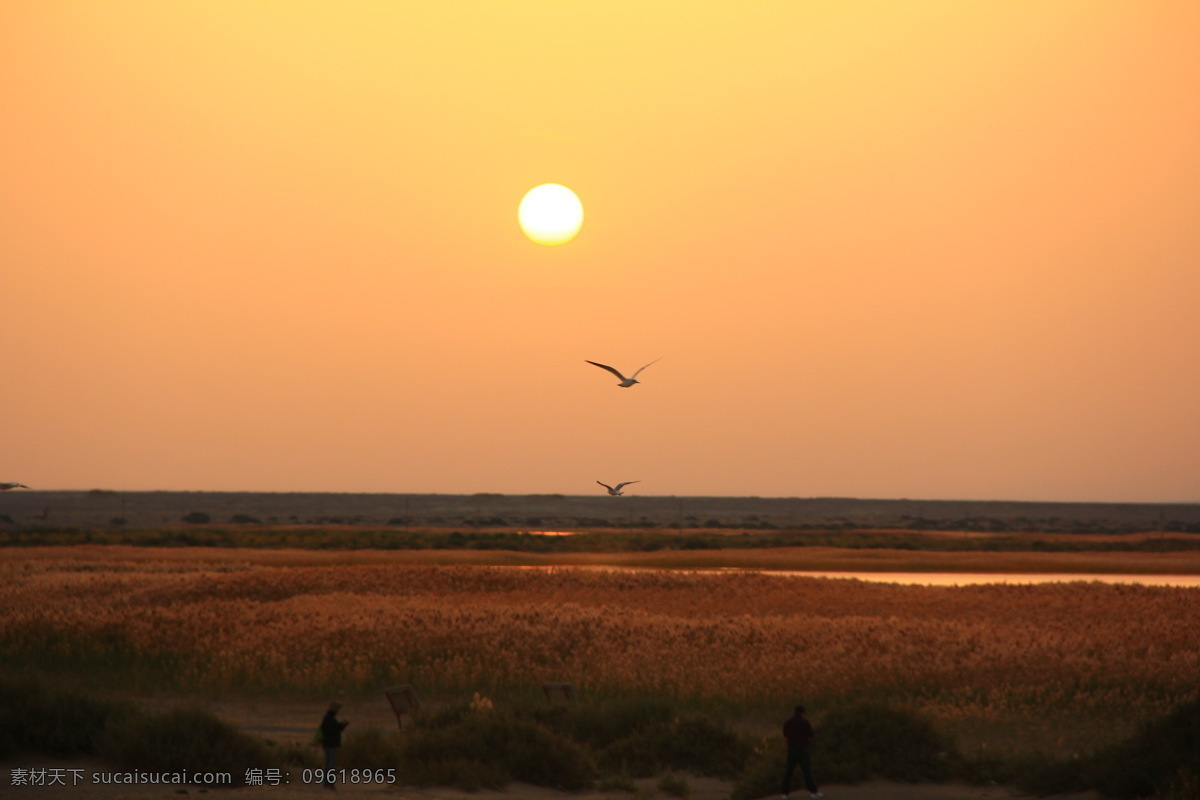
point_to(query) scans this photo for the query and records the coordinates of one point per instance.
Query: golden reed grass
(974, 652)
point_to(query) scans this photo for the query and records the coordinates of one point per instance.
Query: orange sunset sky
(888, 249)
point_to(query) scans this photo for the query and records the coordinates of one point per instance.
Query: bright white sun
(550, 214)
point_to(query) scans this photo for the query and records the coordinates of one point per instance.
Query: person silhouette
(331, 740)
(799, 734)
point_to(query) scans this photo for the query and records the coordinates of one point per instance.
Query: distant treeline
(102, 509)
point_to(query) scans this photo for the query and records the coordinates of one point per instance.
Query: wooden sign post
(559, 692)
(404, 702)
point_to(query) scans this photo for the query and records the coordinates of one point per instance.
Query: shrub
(617, 783)
(489, 750)
(60, 723)
(535, 755)
(674, 785)
(183, 740)
(635, 755)
(1185, 786)
(369, 748)
(294, 755)
(872, 740)
(599, 724)
(763, 773)
(858, 743)
(1161, 757)
(694, 744)
(1043, 775)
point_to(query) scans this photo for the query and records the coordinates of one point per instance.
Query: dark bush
(675, 786)
(1162, 756)
(370, 748)
(59, 723)
(877, 741)
(490, 749)
(1044, 775)
(197, 518)
(183, 740)
(598, 725)
(693, 744)
(858, 743)
(763, 772)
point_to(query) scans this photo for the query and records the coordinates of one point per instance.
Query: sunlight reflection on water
(916, 578)
(976, 578)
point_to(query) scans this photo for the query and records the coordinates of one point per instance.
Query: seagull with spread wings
(625, 382)
(615, 491)
(4, 487)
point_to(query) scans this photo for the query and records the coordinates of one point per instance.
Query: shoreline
(804, 561)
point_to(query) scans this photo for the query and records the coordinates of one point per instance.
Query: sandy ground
(287, 722)
(79, 784)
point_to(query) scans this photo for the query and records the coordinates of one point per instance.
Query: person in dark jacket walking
(331, 739)
(799, 734)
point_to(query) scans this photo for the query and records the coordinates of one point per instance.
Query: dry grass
(271, 621)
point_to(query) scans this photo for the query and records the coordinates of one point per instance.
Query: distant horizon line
(623, 497)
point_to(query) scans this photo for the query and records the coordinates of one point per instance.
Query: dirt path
(291, 722)
(79, 781)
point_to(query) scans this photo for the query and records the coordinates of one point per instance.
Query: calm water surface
(931, 578)
(975, 578)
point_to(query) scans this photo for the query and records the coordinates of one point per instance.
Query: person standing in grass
(331, 739)
(799, 734)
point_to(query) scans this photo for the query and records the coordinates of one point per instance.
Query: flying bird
(625, 382)
(615, 491)
(4, 487)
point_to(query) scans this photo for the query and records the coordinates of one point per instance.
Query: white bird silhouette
(625, 382)
(616, 490)
(4, 487)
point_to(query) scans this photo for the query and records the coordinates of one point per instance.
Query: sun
(550, 214)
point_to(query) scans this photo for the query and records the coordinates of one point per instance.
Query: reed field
(1000, 657)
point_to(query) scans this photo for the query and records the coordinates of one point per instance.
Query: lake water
(934, 578)
(976, 578)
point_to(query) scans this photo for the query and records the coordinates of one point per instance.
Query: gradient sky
(926, 250)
